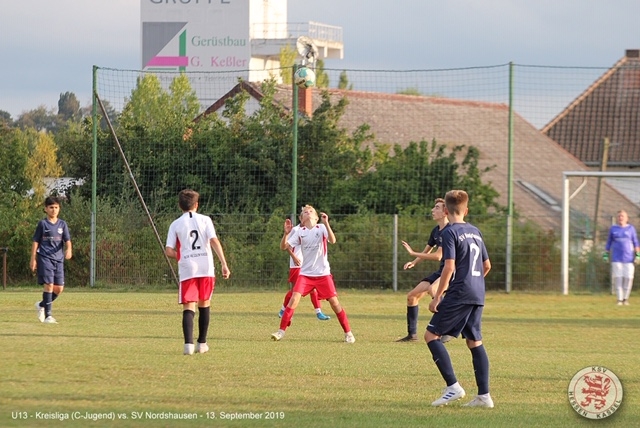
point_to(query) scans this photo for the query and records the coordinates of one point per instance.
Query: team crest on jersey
(595, 392)
(59, 231)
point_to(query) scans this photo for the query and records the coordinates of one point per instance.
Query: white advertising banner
(196, 35)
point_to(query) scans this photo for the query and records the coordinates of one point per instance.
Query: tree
(322, 78)
(343, 83)
(288, 55)
(5, 118)
(410, 91)
(26, 157)
(40, 119)
(74, 141)
(68, 106)
(409, 179)
(42, 162)
(329, 156)
(14, 153)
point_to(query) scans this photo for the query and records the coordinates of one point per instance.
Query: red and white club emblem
(595, 392)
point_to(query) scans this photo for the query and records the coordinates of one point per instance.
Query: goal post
(566, 211)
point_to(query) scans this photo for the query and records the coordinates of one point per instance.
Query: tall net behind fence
(373, 155)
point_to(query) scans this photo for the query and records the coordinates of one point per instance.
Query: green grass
(122, 353)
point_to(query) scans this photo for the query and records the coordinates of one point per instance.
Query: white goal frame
(566, 198)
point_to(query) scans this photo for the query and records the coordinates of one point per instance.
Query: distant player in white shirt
(312, 237)
(190, 240)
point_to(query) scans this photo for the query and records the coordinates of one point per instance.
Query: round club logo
(595, 392)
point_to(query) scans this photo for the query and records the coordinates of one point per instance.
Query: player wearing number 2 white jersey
(190, 235)
(190, 240)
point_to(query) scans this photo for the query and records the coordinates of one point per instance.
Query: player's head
(438, 212)
(188, 199)
(52, 206)
(456, 202)
(622, 218)
(309, 215)
(51, 200)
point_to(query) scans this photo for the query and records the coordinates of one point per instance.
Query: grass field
(120, 354)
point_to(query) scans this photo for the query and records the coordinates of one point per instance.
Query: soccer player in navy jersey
(315, 273)
(427, 285)
(190, 240)
(622, 243)
(466, 263)
(51, 247)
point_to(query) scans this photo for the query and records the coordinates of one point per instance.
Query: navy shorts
(432, 278)
(457, 318)
(50, 271)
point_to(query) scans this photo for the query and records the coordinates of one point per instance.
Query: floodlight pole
(294, 160)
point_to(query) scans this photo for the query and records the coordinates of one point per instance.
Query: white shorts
(624, 270)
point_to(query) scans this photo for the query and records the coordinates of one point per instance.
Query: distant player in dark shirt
(466, 263)
(51, 247)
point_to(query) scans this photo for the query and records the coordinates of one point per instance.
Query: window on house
(540, 194)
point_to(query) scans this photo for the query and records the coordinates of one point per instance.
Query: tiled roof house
(609, 108)
(400, 119)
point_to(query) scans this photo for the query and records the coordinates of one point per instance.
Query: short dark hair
(51, 200)
(187, 199)
(456, 201)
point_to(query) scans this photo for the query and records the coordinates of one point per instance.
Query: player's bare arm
(324, 219)
(287, 230)
(171, 253)
(34, 250)
(426, 254)
(68, 251)
(486, 266)
(296, 260)
(217, 248)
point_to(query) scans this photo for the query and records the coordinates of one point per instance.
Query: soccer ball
(304, 78)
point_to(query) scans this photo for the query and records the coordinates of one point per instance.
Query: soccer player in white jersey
(190, 241)
(315, 273)
(466, 263)
(295, 260)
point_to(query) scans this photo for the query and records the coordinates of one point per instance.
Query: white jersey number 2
(194, 240)
(475, 250)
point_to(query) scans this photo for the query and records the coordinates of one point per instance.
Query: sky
(49, 46)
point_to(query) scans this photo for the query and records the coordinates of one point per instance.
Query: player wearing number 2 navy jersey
(466, 263)
(190, 240)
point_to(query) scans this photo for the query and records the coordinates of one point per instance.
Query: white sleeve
(171, 236)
